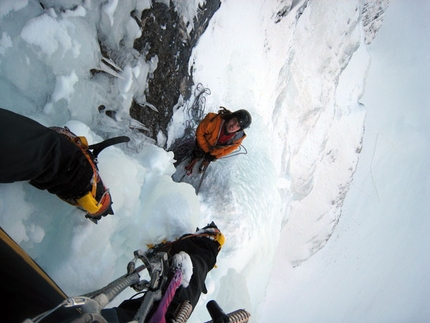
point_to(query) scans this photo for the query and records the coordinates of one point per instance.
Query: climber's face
(232, 125)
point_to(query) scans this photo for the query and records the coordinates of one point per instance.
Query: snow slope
(374, 268)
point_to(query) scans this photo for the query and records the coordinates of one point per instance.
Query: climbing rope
(195, 113)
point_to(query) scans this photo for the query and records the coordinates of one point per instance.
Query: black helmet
(243, 117)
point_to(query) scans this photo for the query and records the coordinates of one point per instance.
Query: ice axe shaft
(202, 178)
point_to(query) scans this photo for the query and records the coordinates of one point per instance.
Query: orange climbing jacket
(209, 131)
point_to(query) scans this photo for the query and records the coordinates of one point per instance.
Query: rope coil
(195, 112)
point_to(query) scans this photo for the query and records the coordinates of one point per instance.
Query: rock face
(373, 16)
(165, 35)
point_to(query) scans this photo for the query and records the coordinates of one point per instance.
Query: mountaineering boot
(56, 160)
(190, 166)
(94, 197)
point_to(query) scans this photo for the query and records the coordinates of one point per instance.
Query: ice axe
(202, 178)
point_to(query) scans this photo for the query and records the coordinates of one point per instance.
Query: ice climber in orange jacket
(219, 134)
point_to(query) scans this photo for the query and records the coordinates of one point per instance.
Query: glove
(209, 157)
(182, 261)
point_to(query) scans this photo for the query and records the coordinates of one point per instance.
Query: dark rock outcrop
(373, 16)
(165, 35)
